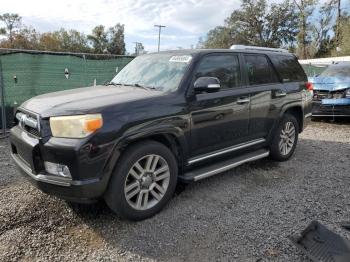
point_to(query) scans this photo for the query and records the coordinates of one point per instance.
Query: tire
(143, 181)
(281, 136)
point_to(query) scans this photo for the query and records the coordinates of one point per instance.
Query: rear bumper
(90, 171)
(330, 110)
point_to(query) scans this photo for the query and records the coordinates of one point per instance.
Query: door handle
(243, 100)
(279, 93)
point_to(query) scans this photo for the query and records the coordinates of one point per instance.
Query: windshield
(157, 71)
(337, 70)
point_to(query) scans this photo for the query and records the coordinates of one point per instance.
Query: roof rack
(259, 48)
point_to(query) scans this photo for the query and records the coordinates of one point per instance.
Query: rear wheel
(285, 140)
(143, 182)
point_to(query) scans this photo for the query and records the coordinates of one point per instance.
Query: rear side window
(259, 70)
(288, 68)
(224, 67)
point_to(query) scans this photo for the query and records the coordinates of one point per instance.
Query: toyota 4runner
(165, 117)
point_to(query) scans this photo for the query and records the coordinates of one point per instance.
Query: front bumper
(330, 110)
(90, 165)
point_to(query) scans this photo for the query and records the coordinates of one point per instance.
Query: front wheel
(143, 182)
(285, 139)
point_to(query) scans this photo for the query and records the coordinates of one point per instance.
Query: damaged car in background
(332, 91)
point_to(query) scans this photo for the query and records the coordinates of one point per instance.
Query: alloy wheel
(147, 182)
(287, 138)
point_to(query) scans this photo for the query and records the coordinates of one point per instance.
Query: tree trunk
(337, 34)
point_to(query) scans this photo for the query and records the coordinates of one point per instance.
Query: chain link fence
(28, 73)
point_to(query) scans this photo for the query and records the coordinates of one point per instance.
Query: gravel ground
(242, 215)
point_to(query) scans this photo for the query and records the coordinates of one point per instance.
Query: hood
(330, 83)
(85, 100)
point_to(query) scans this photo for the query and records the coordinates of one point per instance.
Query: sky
(185, 20)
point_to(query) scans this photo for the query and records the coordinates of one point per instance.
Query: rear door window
(288, 68)
(259, 70)
(223, 66)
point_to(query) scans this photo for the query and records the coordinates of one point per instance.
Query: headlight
(75, 126)
(347, 93)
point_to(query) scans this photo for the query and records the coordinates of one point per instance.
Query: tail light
(309, 86)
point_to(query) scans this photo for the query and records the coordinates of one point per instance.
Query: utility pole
(160, 29)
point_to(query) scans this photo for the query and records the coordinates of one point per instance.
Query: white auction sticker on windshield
(181, 58)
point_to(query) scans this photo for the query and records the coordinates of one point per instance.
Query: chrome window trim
(225, 150)
(331, 115)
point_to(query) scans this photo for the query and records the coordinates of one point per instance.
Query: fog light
(57, 169)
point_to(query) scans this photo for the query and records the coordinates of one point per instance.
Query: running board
(222, 166)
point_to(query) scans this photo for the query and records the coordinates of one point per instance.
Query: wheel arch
(294, 109)
(172, 141)
(298, 113)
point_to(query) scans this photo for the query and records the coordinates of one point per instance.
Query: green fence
(25, 74)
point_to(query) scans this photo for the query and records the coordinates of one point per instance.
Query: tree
(116, 44)
(344, 37)
(73, 41)
(99, 40)
(337, 4)
(305, 9)
(322, 42)
(12, 23)
(219, 37)
(256, 23)
(64, 41)
(25, 38)
(139, 49)
(111, 41)
(50, 42)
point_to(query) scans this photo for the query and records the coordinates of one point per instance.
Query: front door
(219, 119)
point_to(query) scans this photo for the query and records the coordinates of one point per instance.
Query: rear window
(288, 68)
(259, 70)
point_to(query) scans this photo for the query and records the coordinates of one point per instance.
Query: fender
(287, 106)
(173, 127)
(283, 110)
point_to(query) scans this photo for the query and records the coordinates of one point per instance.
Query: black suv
(165, 117)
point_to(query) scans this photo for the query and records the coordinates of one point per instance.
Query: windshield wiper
(113, 84)
(135, 85)
(145, 87)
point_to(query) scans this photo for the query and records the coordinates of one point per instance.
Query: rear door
(264, 87)
(220, 119)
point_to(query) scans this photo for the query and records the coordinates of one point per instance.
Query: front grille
(28, 122)
(33, 131)
(324, 94)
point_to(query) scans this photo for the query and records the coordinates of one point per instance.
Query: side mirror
(207, 84)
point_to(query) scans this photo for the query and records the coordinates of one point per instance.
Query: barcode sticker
(180, 59)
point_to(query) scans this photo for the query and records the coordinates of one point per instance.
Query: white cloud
(185, 19)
